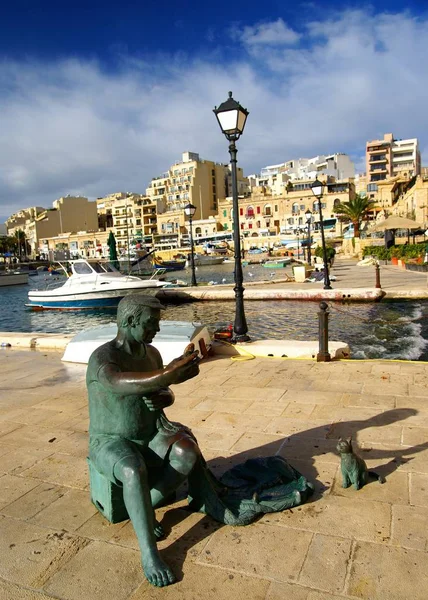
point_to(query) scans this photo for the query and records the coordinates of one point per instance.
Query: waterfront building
(81, 244)
(276, 177)
(411, 200)
(390, 157)
(132, 218)
(192, 179)
(262, 213)
(69, 213)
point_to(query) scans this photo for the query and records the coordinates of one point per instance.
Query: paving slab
(344, 544)
(380, 572)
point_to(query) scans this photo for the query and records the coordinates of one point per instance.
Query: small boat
(204, 260)
(277, 264)
(169, 265)
(13, 278)
(90, 285)
(171, 340)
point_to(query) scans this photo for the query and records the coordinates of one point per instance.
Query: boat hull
(276, 264)
(171, 265)
(171, 340)
(8, 279)
(88, 301)
(206, 261)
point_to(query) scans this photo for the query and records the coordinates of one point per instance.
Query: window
(250, 212)
(225, 213)
(241, 211)
(250, 225)
(82, 269)
(276, 207)
(258, 210)
(295, 209)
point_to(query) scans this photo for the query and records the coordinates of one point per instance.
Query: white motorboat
(203, 260)
(13, 278)
(171, 340)
(90, 285)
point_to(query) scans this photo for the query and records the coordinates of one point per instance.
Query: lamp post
(190, 210)
(308, 215)
(317, 190)
(231, 117)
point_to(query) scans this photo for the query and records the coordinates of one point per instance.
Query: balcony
(378, 158)
(378, 148)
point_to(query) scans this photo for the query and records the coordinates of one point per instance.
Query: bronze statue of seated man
(131, 442)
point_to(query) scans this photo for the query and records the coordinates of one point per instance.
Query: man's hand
(184, 367)
(159, 400)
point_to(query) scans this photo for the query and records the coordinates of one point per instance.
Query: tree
(20, 242)
(356, 210)
(7, 244)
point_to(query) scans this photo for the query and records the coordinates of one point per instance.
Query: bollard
(323, 354)
(377, 286)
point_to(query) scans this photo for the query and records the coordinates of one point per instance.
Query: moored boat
(13, 278)
(90, 285)
(171, 340)
(169, 265)
(204, 260)
(277, 264)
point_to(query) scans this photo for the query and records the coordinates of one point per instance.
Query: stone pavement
(370, 544)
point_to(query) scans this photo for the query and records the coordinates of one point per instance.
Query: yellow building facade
(195, 180)
(69, 214)
(262, 213)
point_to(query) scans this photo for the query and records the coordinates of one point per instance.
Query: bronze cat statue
(354, 469)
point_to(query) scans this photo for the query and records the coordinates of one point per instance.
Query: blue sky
(99, 97)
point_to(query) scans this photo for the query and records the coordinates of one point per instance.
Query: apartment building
(391, 158)
(19, 220)
(264, 213)
(276, 177)
(131, 217)
(195, 180)
(75, 245)
(69, 214)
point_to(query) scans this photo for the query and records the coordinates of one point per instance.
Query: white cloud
(274, 33)
(73, 127)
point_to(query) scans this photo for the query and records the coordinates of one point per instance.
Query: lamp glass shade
(308, 214)
(189, 210)
(317, 188)
(231, 117)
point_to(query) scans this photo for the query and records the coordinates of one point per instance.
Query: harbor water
(397, 330)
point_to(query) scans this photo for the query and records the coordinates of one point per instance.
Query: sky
(99, 97)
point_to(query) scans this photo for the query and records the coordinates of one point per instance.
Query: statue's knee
(131, 469)
(186, 451)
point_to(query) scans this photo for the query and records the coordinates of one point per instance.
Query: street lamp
(231, 117)
(308, 215)
(317, 190)
(190, 210)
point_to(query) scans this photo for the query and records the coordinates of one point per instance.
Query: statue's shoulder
(103, 355)
(154, 354)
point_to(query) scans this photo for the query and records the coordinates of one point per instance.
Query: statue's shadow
(304, 451)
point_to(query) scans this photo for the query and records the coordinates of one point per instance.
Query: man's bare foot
(157, 572)
(159, 531)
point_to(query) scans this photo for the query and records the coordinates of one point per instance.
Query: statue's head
(140, 315)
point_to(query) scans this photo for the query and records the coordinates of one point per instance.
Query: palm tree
(356, 210)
